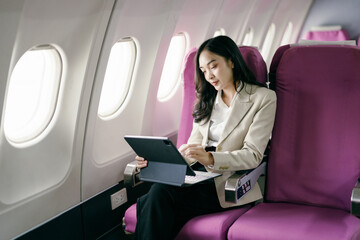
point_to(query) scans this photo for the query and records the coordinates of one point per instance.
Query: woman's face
(217, 70)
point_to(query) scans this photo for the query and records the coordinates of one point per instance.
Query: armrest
(131, 175)
(242, 182)
(355, 199)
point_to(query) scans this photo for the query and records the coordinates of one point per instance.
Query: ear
(231, 63)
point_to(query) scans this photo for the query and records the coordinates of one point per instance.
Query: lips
(214, 83)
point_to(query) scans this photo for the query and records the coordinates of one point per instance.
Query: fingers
(140, 162)
(185, 147)
(194, 151)
(182, 147)
(197, 152)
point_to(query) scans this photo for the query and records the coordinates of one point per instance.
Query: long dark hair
(205, 92)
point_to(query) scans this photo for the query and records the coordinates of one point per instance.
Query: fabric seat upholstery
(336, 34)
(314, 160)
(189, 98)
(296, 221)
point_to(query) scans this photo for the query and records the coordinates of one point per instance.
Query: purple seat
(335, 33)
(314, 161)
(130, 219)
(255, 62)
(189, 97)
(289, 221)
(208, 226)
(211, 226)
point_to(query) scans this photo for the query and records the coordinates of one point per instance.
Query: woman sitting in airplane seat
(234, 116)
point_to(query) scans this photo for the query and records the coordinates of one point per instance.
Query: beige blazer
(243, 142)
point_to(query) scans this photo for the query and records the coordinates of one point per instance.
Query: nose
(209, 75)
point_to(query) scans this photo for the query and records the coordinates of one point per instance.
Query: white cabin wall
(297, 13)
(232, 17)
(247, 13)
(161, 118)
(287, 11)
(9, 20)
(195, 19)
(41, 180)
(105, 152)
(260, 20)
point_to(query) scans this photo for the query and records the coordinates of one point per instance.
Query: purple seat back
(255, 62)
(253, 59)
(189, 98)
(314, 157)
(331, 35)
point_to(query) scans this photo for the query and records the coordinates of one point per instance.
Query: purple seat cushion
(282, 221)
(130, 219)
(211, 226)
(208, 226)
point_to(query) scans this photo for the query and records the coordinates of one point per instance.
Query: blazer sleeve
(195, 138)
(256, 139)
(195, 135)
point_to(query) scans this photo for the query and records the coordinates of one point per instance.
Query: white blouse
(218, 118)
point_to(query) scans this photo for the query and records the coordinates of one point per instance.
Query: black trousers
(163, 211)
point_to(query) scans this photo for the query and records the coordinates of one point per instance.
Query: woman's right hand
(140, 162)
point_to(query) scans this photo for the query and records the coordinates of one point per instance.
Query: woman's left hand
(196, 151)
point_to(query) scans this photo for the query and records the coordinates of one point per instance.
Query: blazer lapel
(239, 110)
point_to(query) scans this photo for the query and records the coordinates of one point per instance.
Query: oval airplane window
(268, 41)
(32, 94)
(248, 37)
(287, 34)
(219, 32)
(119, 70)
(171, 71)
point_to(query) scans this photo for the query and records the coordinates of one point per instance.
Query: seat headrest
(327, 33)
(189, 67)
(255, 62)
